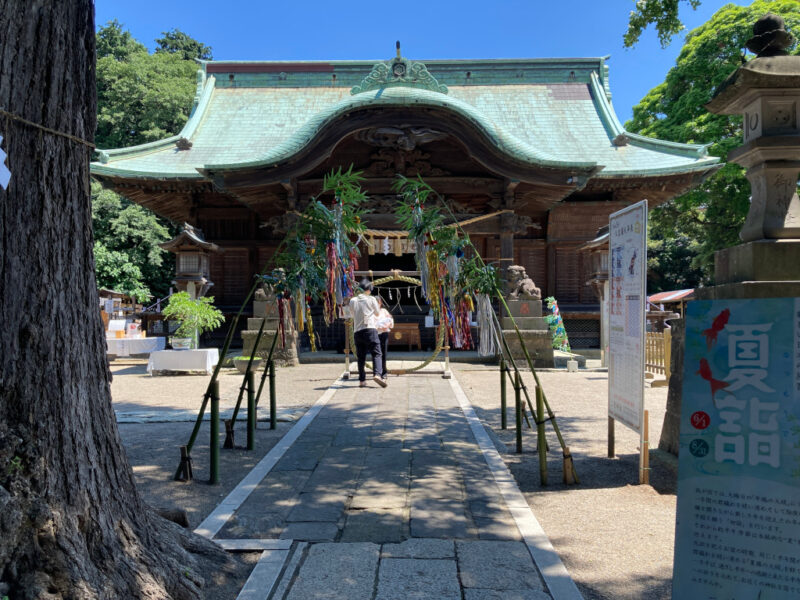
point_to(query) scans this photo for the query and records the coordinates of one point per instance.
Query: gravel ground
(614, 536)
(133, 389)
(152, 448)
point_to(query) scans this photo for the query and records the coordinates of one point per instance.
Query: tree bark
(72, 524)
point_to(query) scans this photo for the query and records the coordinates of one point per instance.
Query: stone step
(253, 323)
(526, 323)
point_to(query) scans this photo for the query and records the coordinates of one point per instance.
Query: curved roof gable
(546, 113)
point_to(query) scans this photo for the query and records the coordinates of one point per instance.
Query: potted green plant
(195, 315)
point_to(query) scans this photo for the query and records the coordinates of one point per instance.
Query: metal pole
(518, 410)
(541, 442)
(214, 440)
(251, 410)
(503, 407)
(273, 410)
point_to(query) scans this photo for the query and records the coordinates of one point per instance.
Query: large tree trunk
(72, 524)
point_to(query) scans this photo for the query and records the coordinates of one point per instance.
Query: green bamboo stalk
(214, 437)
(251, 410)
(519, 334)
(243, 387)
(266, 370)
(541, 442)
(503, 408)
(518, 409)
(273, 409)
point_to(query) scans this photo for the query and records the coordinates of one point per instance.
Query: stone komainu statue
(521, 286)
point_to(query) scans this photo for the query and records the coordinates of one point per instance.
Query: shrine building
(528, 151)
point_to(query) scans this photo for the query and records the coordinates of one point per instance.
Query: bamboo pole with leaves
(298, 251)
(417, 186)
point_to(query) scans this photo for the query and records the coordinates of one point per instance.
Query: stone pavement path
(387, 495)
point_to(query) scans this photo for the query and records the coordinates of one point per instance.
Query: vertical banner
(626, 310)
(738, 515)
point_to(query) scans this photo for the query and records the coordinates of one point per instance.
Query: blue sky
(436, 29)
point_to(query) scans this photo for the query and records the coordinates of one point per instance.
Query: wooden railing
(657, 352)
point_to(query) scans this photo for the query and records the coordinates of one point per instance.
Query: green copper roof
(553, 112)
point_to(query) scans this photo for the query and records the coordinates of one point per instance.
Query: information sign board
(626, 306)
(738, 511)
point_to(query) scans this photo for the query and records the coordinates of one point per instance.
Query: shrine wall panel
(579, 221)
(236, 276)
(572, 272)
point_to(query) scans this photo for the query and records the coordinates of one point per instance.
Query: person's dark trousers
(384, 340)
(367, 341)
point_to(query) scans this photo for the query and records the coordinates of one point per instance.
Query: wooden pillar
(507, 223)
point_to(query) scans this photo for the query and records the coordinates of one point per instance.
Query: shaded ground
(615, 537)
(152, 448)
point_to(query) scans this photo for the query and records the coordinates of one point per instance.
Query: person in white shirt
(384, 326)
(364, 311)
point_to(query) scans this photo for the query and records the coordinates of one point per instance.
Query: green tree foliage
(712, 214)
(143, 98)
(127, 255)
(113, 41)
(177, 42)
(661, 13)
(114, 271)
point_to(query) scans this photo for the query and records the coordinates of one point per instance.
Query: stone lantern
(192, 271)
(766, 92)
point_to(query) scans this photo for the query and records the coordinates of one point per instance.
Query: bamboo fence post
(243, 387)
(273, 409)
(541, 442)
(503, 407)
(645, 450)
(251, 410)
(214, 437)
(225, 347)
(518, 410)
(264, 372)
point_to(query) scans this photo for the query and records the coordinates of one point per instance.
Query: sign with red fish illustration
(738, 518)
(628, 259)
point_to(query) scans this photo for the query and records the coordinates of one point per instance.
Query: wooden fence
(657, 352)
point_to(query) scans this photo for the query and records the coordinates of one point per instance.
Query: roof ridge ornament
(399, 72)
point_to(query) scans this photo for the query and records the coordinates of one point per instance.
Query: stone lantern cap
(772, 72)
(189, 237)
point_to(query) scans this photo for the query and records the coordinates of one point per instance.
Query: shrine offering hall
(529, 152)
